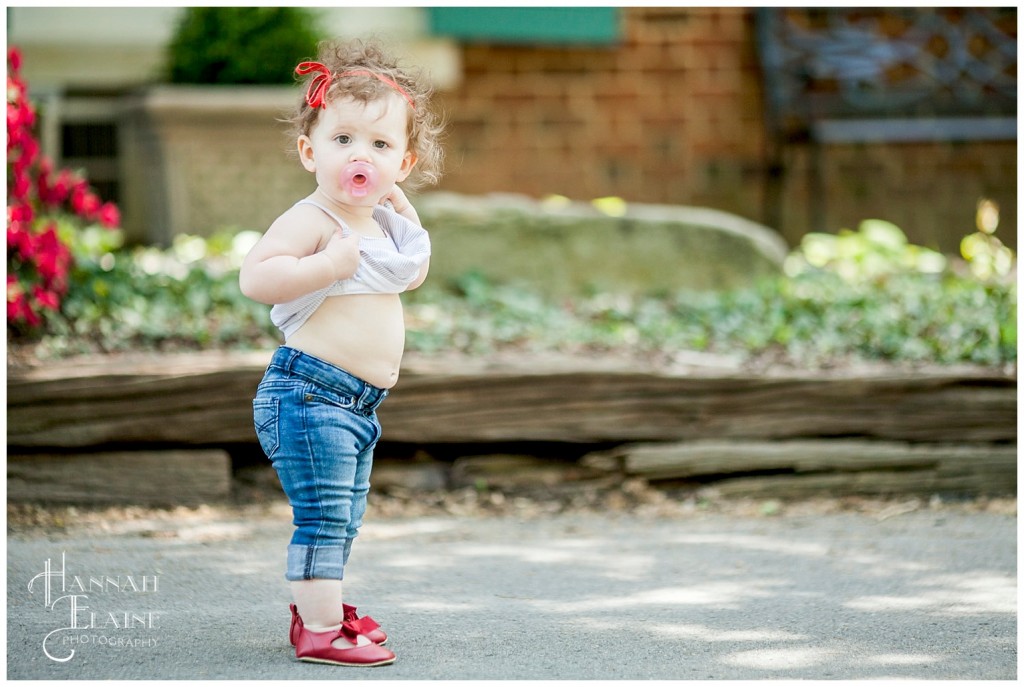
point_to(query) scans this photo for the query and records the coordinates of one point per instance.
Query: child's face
(348, 131)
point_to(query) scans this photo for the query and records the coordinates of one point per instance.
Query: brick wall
(673, 114)
(664, 117)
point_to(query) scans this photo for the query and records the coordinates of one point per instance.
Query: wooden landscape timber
(878, 428)
(165, 478)
(205, 400)
(808, 467)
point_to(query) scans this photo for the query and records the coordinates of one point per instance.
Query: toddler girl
(333, 266)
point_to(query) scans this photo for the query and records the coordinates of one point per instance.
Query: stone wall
(571, 248)
(201, 159)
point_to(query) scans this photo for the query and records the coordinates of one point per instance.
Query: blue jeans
(318, 426)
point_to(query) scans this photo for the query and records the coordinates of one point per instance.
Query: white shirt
(388, 264)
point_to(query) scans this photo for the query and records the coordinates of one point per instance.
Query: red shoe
(317, 647)
(366, 625)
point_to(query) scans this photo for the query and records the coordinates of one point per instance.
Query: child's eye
(343, 138)
(380, 144)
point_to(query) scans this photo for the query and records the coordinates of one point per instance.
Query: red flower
(84, 202)
(20, 212)
(14, 122)
(14, 59)
(51, 256)
(43, 171)
(27, 246)
(20, 188)
(109, 216)
(19, 311)
(26, 151)
(20, 115)
(38, 260)
(29, 150)
(25, 241)
(57, 193)
(14, 308)
(28, 314)
(15, 230)
(46, 298)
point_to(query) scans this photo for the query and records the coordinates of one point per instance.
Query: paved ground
(925, 594)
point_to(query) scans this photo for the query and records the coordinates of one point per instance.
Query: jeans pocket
(266, 412)
(315, 394)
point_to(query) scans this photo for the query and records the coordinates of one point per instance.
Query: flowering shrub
(45, 209)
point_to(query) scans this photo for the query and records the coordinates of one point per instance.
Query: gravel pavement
(913, 592)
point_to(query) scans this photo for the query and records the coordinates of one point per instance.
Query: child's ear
(306, 156)
(408, 162)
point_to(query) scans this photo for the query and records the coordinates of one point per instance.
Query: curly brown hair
(425, 125)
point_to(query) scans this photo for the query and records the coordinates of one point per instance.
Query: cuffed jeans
(318, 426)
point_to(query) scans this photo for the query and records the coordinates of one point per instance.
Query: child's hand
(343, 252)
(401, 204)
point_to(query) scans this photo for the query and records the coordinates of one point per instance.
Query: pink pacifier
(359, 178)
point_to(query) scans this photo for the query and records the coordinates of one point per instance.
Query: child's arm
(286, 262)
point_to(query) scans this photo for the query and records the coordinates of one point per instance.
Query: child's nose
(359, 153)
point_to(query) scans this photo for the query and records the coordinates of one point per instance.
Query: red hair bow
(316, 94)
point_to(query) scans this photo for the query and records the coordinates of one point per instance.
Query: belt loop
(292, 357)
(363, 401)
(368, 391)
(280, 359)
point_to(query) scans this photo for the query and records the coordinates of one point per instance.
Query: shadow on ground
(927, 594)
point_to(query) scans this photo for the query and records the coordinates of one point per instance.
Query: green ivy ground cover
(862, 295)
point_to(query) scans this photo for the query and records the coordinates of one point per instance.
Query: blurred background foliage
(857, 295)
(241, 45)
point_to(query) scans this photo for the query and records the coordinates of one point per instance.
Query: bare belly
(362, 334)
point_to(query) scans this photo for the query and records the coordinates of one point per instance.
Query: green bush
(831, 308)
(814, 319)
(184, 297)
(857, 295)
(241, 45)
